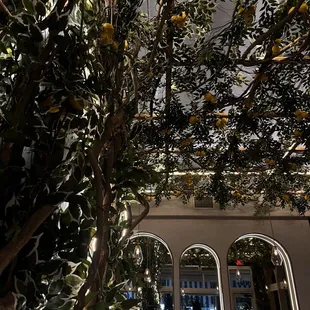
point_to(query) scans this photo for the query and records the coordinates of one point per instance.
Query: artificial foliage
(100, 102)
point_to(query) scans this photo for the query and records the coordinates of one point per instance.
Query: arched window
(200, 279)
(153, 262)
(260, 274)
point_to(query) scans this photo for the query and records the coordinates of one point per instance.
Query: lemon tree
(103, 104)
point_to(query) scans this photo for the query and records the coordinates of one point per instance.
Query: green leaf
(111, 293)
(28, 5)
(73, 280)
(55, 287)
(20, 287)
(40, 8)
(3, 48)
(36, 33)
(55, 303)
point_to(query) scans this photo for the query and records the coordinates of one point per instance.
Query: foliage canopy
(100, 103)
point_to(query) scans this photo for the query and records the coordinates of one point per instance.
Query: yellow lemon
(236, 194)
(306, 197)
(200, 153)
(115, 45)
(303, 8)
(291, 10)
(224, 121)
(272, 162)
(241, 10)
(186, 142)
(107, 41)
(304, 114)
(286, 198)
(209, 97)
(53, 110)
(125, 44)
(179, 20)
(149, 198)
(165, 132)
(218, 123)
(300, 115)
(193, 119)
(276, 50)
(213, 99)
(108, 28)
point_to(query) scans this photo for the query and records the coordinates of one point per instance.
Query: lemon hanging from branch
(303, 8)
(248, 14)
(179, 20)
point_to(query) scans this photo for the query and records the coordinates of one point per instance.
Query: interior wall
(219, 234)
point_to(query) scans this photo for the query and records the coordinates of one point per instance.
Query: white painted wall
(181, 226)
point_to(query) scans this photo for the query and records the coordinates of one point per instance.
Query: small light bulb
(147, 272)
(138, 256)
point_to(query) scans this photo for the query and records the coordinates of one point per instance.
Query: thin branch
(9, 252)
(157, 38)
(5, 9)
(99, 202)
(142, 215)
(273, 29)
(134, 78)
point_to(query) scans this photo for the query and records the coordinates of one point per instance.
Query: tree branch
(141, 216)
(157, 38)
(5, 9)
(273, 29)
(99, 202)
(8, 253)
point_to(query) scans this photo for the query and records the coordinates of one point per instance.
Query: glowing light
(276, 258)
(238, 275)
(138, 256)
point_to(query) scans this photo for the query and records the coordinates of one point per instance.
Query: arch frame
(145, 234)
(286, 261)
(218, 266)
